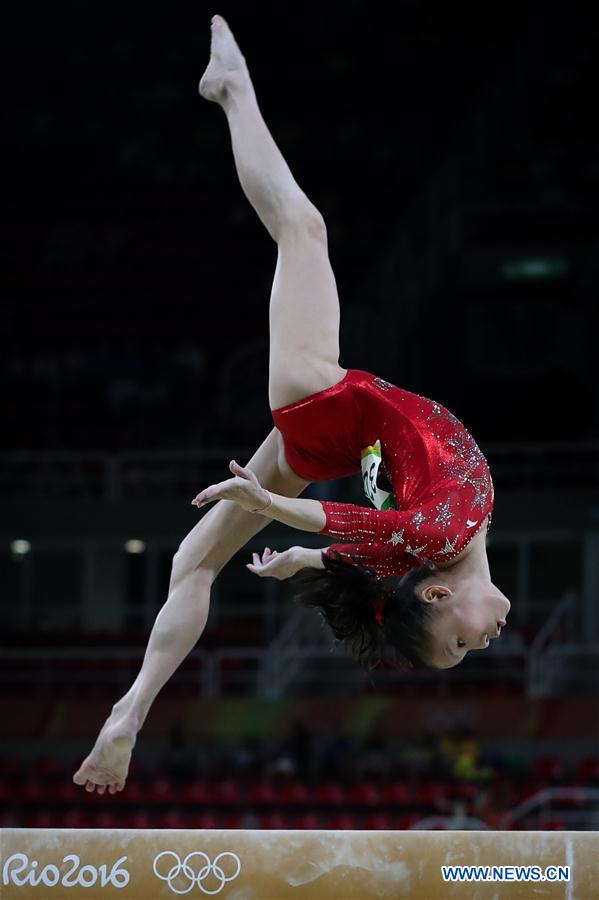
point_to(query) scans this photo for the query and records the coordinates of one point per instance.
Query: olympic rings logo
(184, 869)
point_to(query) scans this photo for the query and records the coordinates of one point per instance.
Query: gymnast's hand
(277, 565)
(244, 489)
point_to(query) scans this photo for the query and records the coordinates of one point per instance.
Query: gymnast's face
(468, 617)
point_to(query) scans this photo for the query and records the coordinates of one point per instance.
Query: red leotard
(439, 481)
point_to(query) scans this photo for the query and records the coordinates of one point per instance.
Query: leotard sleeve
(390, 541)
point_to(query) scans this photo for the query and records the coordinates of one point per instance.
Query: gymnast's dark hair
(345, 594)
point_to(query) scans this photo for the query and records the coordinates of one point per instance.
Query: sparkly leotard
(421, 468)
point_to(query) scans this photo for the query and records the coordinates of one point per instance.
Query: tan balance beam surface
(274, 865)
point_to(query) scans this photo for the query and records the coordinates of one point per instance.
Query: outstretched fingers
(259, 565)
(245, 473)
(214, 492)
(244, 487)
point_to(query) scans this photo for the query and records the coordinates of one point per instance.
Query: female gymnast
(411, 574)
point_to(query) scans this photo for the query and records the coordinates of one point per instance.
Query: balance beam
(65, 864)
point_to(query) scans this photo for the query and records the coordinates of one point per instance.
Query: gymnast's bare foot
(107, 765)
(227, 69)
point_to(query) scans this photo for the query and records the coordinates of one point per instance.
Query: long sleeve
(383, 560)
(391, 541)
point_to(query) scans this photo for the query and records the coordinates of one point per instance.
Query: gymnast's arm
(306, 515)
(245, 489)
(344, 520)
(285, 564)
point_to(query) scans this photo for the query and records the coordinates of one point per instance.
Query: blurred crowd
(311, 781)
(310, 757)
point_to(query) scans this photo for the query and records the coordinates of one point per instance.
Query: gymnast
(408, 576)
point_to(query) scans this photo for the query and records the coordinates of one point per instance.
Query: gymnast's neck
(472, 561)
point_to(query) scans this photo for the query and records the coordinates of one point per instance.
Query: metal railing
(118, 476)
(578, 805)
(176, 473)
(301, 638)
(567, 669)
(295, 669)
(537, 669)
(559, 662)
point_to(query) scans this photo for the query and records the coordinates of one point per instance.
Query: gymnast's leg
(304, 306)
(217, 537)
(304, 325)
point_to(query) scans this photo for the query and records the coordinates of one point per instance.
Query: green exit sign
(535, 268)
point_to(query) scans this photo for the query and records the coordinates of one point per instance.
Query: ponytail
(374, 617)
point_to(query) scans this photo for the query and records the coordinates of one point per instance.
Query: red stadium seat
(344, 821)
(462, 791)
(396, 793)
(106, 818)
(204, 820)
(196, 793)
(235, 820)
(262, 793)
(548, 768)
(42, 818)
(227, 793)
(377, 821)
(309, 820)
(364, 793)
(274, 819)
(74, 818)
(529, 790)
(330, 793)
(555, 825)
(140, 818)
(173, 818)
(433, 795)
(405, 822)
(133, 794)
(295, 793)
(161, 790)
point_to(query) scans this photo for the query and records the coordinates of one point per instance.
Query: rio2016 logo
(183, 869)
(20, 871)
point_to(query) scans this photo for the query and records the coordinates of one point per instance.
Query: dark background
(441, 144)
(453, 150)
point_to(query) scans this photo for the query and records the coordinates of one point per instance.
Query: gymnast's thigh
(226, 527)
